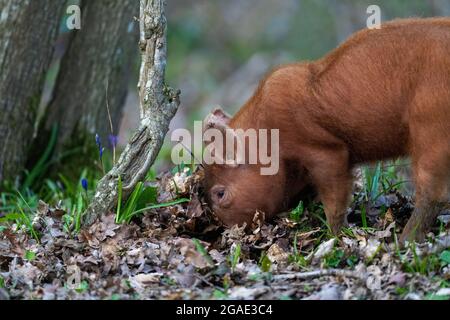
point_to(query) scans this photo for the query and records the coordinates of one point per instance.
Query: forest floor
(182, 252)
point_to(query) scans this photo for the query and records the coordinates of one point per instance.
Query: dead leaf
(385, 233)
(277, 255)
(323, 249)
(148, 279)
(192, 256)
(243, 293)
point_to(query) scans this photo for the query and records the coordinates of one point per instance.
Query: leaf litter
(183, 252)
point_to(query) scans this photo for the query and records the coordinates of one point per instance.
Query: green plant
(234, 256)
(29, 255)
(317, 212)
(264, 262)
(220, 294)
(285, 297)
(380, 180)
(296, 213)
(352, 260)
(130, 205)
(297, 257)
(334, 258)
(82, 287)
(168, 281)
(202, 250)
(75, 202)
(433, 296)
(444, 257)
(401, 291)
(14, 212)
(136, 203)
(372, 178)
(25, 218)
(364, 216)
(115, 297)
(348, 232)
(43, 163)
(420, 264)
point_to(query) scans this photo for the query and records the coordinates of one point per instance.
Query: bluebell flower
(98, 142)
(113, 140)
(84, 184)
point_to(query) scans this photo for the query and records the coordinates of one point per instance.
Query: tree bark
(158, 105)
(94, 72)
(28, 30)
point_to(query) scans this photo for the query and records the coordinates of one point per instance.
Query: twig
(320, 273)
(203, 279)
(110, 122)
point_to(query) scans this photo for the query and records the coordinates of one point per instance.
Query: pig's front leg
(332, 177)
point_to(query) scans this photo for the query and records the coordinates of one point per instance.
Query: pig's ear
(217, 119)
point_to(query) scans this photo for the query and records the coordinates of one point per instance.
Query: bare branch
(319, 273)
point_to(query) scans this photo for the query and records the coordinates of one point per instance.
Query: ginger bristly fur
(382, 94)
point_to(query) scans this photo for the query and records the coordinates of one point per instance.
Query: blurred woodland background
(69, 104)
(218, 51)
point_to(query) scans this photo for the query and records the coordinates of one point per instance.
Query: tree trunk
(158, 105)
(28, 30)
(94, 72)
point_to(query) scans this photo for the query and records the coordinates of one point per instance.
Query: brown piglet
(382, 94)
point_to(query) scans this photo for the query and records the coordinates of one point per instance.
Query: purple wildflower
(113, 140)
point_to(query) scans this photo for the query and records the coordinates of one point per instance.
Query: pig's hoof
(410, 235)
(336, 229)
(336, 225)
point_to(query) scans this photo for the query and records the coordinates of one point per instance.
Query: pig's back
(368, 87)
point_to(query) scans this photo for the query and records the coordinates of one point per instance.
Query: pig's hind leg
(431, 167)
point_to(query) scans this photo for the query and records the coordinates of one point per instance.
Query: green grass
(20, 208)
(426, 264)
(381, 179)
(17, 210)
(297, 257)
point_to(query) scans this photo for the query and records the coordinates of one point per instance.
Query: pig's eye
(219, 195)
